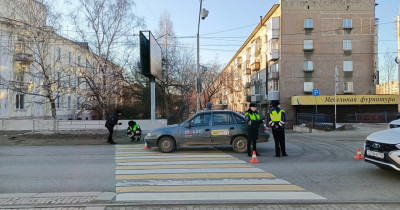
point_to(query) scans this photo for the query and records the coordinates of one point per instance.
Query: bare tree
(209, 85)
(388, 70)
(108, 26)
(178, 81)
(36, 63)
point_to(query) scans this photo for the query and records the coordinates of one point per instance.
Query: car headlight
(151, 134)
(398, 146)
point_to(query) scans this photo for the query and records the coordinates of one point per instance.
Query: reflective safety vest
(276, 117)
(253, 116)
(134, 128)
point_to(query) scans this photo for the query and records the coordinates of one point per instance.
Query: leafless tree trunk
(107, 25)
(388, 71)
(35, 75)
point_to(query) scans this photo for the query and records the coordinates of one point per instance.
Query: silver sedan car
(205, 128)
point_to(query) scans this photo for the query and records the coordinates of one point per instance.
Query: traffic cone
(358, 156)
(146, 146)
(254, 158)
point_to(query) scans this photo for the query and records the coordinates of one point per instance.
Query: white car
(394, 124)
(382, 148)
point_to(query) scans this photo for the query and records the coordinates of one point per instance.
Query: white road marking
(171, 156)
(215, 196)
(180, 162)
(190, 170)
(202, 182)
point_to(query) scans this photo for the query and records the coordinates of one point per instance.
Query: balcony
(273, 55)
(273, 95)
(256, 98)
(255, 66)
(24, 58)
(274, 75)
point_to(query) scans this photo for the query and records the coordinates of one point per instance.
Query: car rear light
(265, 127)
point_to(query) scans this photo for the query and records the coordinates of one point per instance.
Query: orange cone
(254, 158)
(358, 156)
(146, 146)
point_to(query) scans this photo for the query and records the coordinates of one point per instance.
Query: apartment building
(296, 48)
(36, 63)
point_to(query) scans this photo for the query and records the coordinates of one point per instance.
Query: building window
(348, 87)
(308, 23)
(79, 60)
(78, 80)
(78, 102)
(308, 66)
(347, 45)
(59, 102)
(20, 47)
(308, 45)
(347, 24)
(58, 54)
(69, 58)
(308, 87)
(87, 65)
(69, 81)
(275, 85)
(69, 102)
(59, 78)
(347, 65)
(20, 73)
(19, 101)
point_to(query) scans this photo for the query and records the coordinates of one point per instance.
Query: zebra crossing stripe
(196, 176)
(174, 159)
(190, 170)
(184, 166)
(210, 188)
(187, 182)
(173, 156)
(217, 196)
(138, 154)
(179, 162)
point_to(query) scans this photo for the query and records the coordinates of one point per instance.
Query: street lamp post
(203, 13)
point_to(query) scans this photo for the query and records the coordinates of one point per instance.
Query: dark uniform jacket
(112, 120)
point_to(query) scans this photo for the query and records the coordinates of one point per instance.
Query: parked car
(205, 128)
(382, 148)
(394, 124)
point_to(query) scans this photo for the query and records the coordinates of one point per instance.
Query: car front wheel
(166, 144)
(239, 144)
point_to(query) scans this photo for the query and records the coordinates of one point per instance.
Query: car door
(197, 130)
(223, 127)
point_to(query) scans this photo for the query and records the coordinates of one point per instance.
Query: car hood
(395, 122)
(390, 136)
(170, 127)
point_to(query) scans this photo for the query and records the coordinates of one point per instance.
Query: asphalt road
(322, 163)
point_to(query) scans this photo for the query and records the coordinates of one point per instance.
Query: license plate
(375, 154)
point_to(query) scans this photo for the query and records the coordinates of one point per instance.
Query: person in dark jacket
(208, 106)
(253, 121)
(276, 119)
(110, 123)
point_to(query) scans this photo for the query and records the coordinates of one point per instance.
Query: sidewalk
(105, 200)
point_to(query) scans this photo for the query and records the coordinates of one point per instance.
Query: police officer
(253, 121)
(276, 119)
(134, 130)
(110, 123)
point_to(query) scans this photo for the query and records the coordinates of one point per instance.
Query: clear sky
(230, 22)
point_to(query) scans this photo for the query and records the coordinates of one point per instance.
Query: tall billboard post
(151, 64)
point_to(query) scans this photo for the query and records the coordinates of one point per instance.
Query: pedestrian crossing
(203, 174)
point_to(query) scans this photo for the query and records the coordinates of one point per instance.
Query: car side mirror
(187, 125)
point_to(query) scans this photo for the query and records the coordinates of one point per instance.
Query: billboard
(150, 55)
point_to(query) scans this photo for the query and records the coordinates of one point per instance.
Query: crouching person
(134, 131)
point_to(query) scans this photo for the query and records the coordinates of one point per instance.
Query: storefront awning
(346, 100)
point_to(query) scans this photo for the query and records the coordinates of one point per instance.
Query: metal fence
(316, 120)
(382, 117)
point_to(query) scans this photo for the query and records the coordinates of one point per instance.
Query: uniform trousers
(253, 136)
(279, 138)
